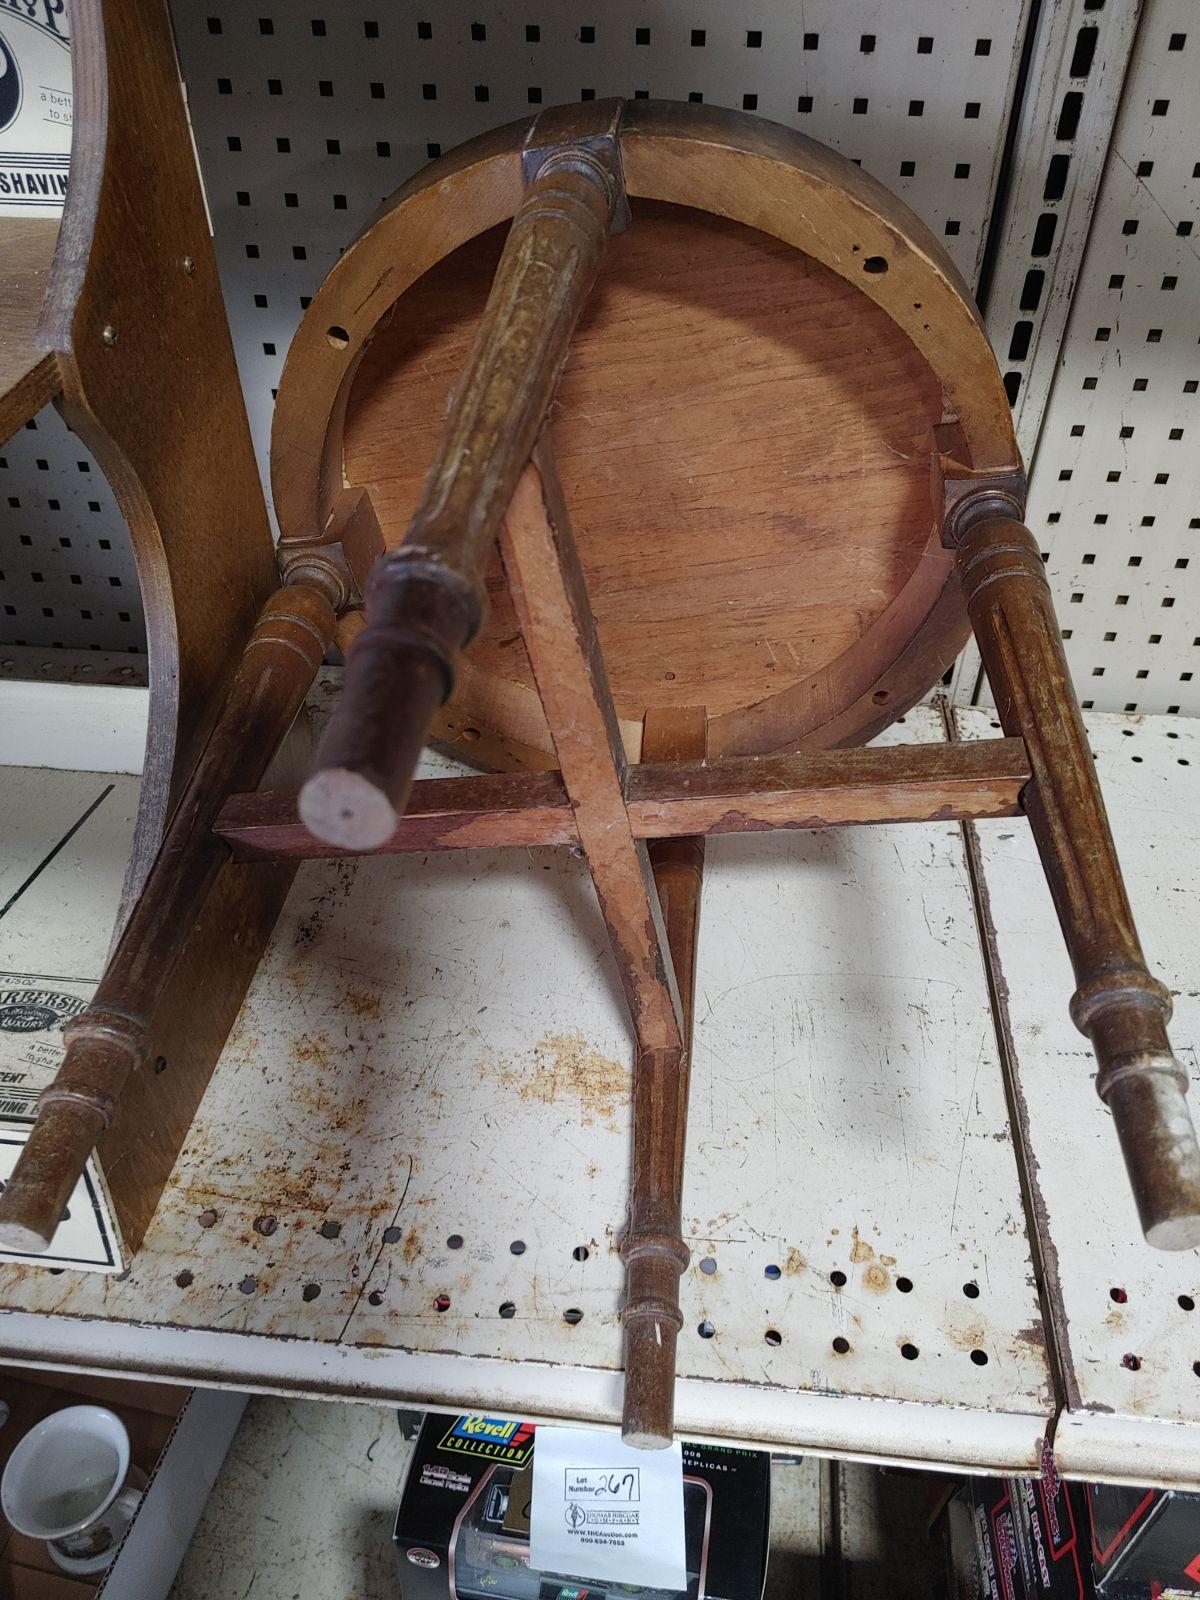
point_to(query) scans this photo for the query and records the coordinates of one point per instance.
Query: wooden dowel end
(40, 1189)
(1162, 1157)
(648, 1415)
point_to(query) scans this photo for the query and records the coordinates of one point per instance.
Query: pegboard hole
(979, 1357)
(330, 1230)
(706, 1330)
(572, 1315)
(909, 1352)
(773, 1272)
(508, 1310)
(517, 1247)
(375, 1298)
(338, 337)
(185, 1279)
(454, 1242)
(580, 1252)
(837, 1279)
(310, 1291)
(441, 1302)
(773, 1337)
(881, 696)
(1131, 1362)
(904, 1285)
(391, 1236)
(1118, 1295)
(841, 1345)
(248, 1285)
(1186, 1303)
(708, 1265)
(875, 264)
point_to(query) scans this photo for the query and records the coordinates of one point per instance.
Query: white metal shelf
(1125, 1319)
(432, 1066)
(435, 1051)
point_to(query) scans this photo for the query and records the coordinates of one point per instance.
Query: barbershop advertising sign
(35, 107)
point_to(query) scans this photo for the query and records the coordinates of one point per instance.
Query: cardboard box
(178, 1437)
(462, 1530)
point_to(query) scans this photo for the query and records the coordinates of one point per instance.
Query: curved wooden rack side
(132, 340)
(133, 329)
(28, 375)
(763, 177)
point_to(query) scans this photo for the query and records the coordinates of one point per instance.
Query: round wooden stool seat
(744, 431)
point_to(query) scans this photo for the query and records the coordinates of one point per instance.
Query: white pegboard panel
(1078, 58)
(306, 120)
(1114, 495)
(66, 564)
(1125, 1318)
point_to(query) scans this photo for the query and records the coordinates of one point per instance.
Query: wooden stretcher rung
(736, 794)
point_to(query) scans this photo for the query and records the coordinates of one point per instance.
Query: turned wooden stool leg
(109, 1040)
(1118, 1005)
(425, 600)
(550, 598)
(652, 1246)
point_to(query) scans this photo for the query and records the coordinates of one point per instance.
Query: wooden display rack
(117, 317)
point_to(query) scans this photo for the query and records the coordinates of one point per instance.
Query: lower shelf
(406, 1179)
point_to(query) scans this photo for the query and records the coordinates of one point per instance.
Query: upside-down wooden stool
(792, 474)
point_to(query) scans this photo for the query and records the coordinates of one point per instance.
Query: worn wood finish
(134, 313)
(28, 375)
(734, 794)
(652, 1246)
(426, 600)
(738, 536)
(761, 177)
(560, 634)
(110, 1041)
(1118, 1004)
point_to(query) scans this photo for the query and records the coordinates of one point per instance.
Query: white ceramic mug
(70, 1482)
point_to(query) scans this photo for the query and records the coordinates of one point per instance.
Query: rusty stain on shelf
(860, 1250)
(565, 1066)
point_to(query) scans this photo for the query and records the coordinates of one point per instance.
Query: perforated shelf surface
(408, 1172)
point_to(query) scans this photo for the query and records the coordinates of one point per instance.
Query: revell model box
(462, 1531)
(1016, 1539)
(1143, 1542)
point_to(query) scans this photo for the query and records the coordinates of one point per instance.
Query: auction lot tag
(605, 1511)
